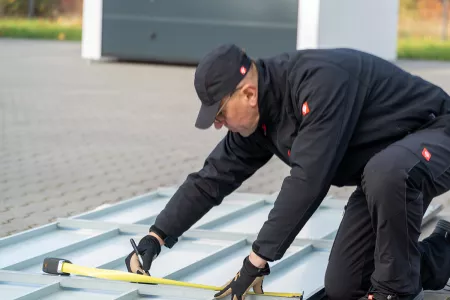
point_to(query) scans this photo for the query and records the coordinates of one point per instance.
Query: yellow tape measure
(60, 266)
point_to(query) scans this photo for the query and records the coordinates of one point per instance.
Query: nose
(218, 124)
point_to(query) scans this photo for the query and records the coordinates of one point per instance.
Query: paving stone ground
(75, 135)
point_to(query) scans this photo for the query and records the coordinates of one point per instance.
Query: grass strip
(40, 29)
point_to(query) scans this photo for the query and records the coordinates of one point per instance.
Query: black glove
(248, 277)
(149, 248)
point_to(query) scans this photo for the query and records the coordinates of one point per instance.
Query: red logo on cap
(243, 70)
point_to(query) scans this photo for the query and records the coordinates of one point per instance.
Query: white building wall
(92, 29)
(366, 25)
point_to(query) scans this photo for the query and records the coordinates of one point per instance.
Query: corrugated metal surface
(210, 253)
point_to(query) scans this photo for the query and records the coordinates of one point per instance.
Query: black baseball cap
(217, 75)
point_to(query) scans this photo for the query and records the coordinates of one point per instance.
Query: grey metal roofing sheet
(215, 245)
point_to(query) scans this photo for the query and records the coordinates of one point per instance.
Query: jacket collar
(269, 95)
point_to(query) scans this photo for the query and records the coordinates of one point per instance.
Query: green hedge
(427, 49)
(39, 29)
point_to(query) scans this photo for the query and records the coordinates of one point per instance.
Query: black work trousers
(377, 243)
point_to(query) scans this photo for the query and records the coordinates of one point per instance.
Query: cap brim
(207, 115)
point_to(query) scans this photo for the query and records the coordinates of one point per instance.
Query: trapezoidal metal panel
(209, 253)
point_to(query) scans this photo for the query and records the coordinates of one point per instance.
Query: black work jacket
(325, 113)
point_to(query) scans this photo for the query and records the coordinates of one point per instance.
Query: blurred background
(423, 28)
(76, 134)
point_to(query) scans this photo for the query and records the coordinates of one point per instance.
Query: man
(336, 117)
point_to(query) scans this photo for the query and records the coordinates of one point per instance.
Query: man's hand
(248, 277)
(149, 248)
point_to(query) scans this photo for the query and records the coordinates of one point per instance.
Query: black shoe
(376, 295)
(443, 228)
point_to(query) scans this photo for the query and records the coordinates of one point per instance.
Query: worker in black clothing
(336, 117)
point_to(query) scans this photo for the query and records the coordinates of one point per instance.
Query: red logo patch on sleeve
(305, 108)
(426, 154)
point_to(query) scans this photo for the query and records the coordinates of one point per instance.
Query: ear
(251, 94)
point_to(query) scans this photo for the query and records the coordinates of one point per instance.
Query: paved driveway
(75, 135)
